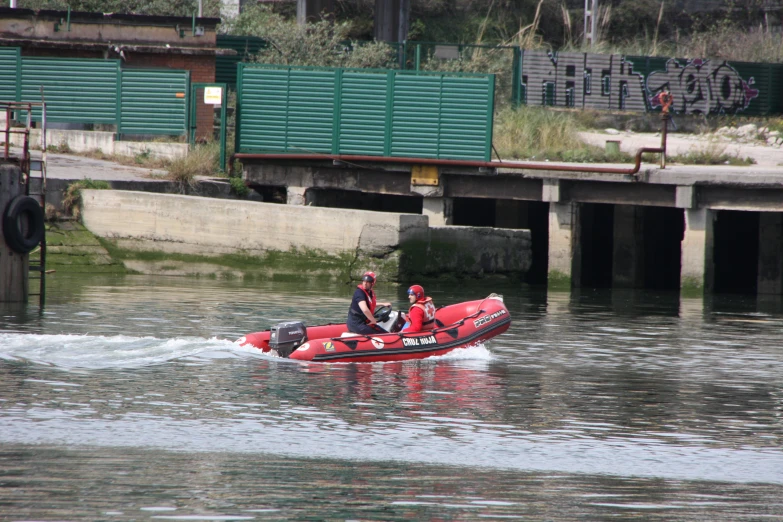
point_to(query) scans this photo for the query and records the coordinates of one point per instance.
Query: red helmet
(417, 291)
(369, 276)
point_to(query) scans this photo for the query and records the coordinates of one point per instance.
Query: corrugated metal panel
(757, 76)
(363, 112)
(311, 110)
(466, 118)
(76, 90)
(149, 102)
(570, 79)
(9, 62)
(245, 46)
(415, 125)
(287, 110)
(367, 112)
(263, 110)
(538, 71)
(775, 88)
(598, 67)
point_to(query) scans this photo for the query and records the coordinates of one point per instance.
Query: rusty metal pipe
(456, 163)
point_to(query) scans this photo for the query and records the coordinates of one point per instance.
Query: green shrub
(238, 187)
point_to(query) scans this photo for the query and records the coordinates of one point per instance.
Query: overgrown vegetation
(202, 160)
(710, 154)
(72, 197)
(536, 133)
(142, 7)
(238, 186)
(324, 43)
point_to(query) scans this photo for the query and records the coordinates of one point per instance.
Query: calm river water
(126, 399)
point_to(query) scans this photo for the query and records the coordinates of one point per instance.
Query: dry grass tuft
(203, 160)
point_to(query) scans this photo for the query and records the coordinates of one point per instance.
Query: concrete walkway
(766, 156)
(768, 166)
(71, 167)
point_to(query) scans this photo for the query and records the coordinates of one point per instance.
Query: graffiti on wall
(582, 80)
(698, 87)
(610, 82)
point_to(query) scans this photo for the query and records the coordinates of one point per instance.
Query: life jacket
(429, 312)
(370, 303)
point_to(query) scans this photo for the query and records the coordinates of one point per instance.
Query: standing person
(421, 315)
(360, 315)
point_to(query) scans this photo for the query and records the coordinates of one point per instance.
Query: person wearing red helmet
(360, 315)
(421, 315)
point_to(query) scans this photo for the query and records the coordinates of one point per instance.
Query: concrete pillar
(296, 195)
(313, 10)
(564, 252)
(14, 267)
(770, 278)
(392, 20)
(628, 250)
(697, 271)
(439, 211)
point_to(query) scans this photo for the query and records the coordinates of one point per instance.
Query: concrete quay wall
(396, 243)
(86, 141)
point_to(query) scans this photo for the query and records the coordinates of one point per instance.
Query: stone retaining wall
(398, 244)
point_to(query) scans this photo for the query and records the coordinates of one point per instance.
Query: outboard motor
(286, 337)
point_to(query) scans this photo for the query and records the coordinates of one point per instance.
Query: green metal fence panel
(365, 112)
(416, 116)
(154, 101)
(75, 90)
(286, 110)
(262, 103)
(443, 116)
(466, 118)
(9, 73)
(750, 87)
(311, 108)
(245, 46)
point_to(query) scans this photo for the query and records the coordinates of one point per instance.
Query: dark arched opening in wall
(735, 252)
(596, 244)
(506, 213)
(664, 229)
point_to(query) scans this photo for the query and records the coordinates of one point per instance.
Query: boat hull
(460, 326)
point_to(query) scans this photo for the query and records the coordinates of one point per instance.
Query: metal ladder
(33, 179)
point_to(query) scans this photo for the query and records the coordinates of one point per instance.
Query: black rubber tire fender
(15, 238)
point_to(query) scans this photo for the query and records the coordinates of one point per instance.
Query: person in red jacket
(421, 315)
(360, 314)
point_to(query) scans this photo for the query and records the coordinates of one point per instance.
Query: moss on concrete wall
(73, 248)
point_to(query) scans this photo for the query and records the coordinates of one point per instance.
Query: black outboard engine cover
(287, 337)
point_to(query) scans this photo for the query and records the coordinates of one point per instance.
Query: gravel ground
(766, 156)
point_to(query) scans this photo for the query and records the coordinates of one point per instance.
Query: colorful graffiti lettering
(609, 82)
(699, 88)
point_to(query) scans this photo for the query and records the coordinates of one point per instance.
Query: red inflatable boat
(458, 326)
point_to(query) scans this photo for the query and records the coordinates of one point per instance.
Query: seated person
(421, 315)
(360, 315)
